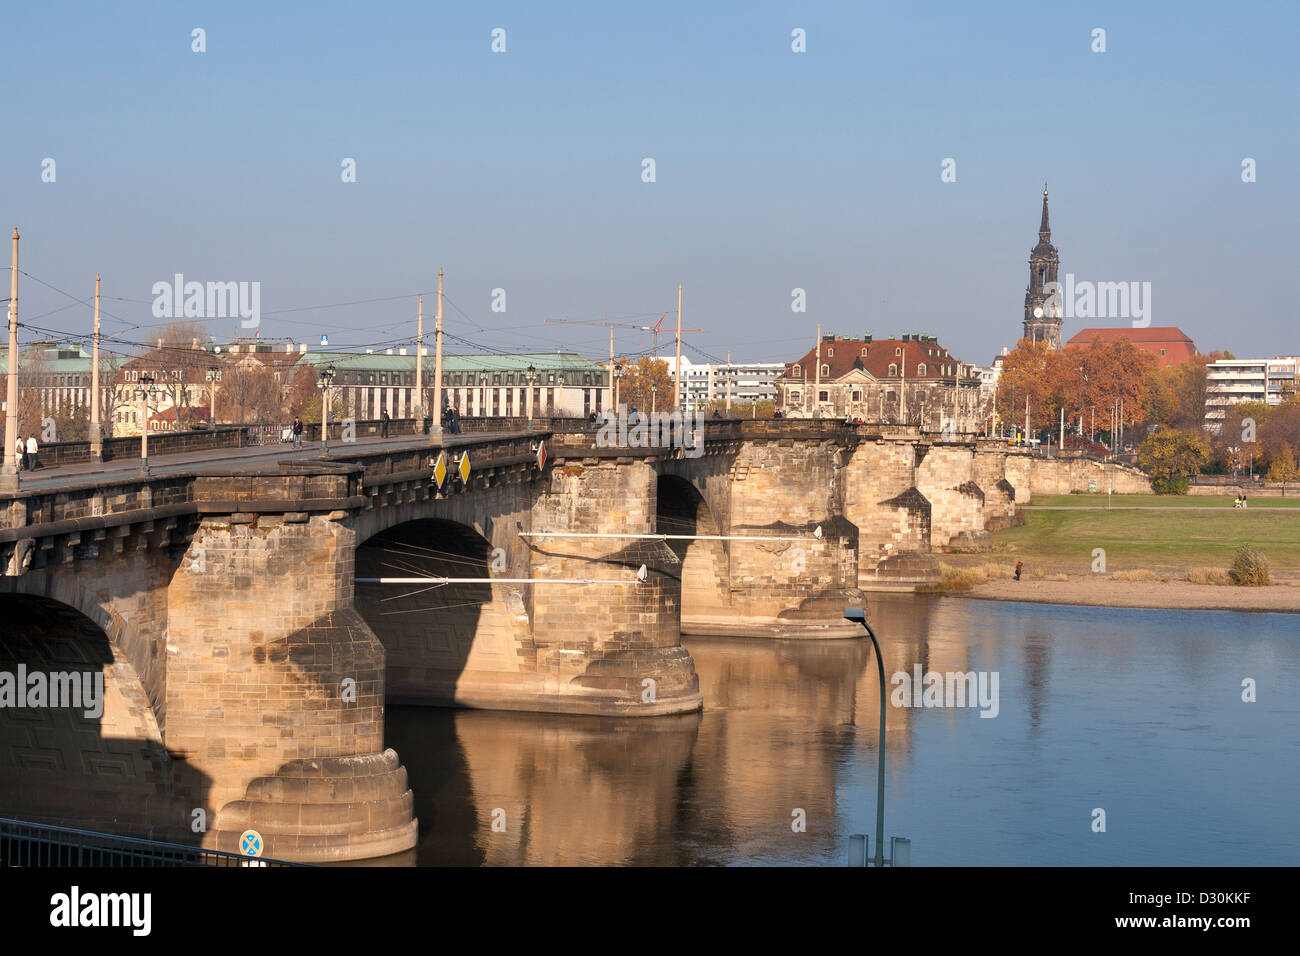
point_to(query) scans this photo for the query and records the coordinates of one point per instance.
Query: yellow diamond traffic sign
(440, 469)
(464, 466)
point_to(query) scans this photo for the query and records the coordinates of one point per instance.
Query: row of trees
(1163, 411)
(1100, 385)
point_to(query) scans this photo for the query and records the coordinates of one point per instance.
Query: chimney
(389, 352)
(194, 343)
(424, 351)
(302, 348)
(401, 351)
(370, 351)
(160, 343)
(288, 347)
(867, 338)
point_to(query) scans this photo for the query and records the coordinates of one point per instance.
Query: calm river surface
(1137, 712)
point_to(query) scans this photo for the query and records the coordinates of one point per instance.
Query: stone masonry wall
(780, 488)
(602, 642)
(273, 676)
(890, 520)
(945, 475)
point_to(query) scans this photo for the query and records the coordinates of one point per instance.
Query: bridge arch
(92, 758)
(450, 644)
(705, 575)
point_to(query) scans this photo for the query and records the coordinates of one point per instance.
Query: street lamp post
(9, 471)
(145, 382)
(212, 412)
(482, 395)
(618, 374)
(902, 851)
(532, 377)
(653, 388)
(325, 377)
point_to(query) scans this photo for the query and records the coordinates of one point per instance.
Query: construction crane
(656, 330)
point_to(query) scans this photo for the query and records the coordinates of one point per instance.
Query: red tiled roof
(880, 354)
(1168, 343)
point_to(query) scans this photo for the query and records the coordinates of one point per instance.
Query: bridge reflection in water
(1099, 707)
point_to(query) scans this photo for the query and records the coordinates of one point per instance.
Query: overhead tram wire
(83, 337)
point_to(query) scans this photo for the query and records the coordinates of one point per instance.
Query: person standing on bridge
(20, 450)
(32, 461)
(384, 423)
(297, 432)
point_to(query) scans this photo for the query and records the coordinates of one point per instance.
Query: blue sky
(775, 170)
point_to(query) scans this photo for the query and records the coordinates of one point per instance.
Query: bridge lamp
(146, 381)
(326, 376)
(618, 374)
(212, 411)
(901, 848)
(653, 388)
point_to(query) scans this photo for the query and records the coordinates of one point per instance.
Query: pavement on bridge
(219, 459)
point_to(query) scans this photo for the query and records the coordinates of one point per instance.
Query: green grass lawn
(1160, 501)
(1151, 539)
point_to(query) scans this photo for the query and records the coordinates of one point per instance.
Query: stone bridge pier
(945, 474)
(895, 517)
(781, 488)
(607, 648)
(275, 684)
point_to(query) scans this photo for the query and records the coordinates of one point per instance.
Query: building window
(893, 369)
(920, 369)
(857, 396)
(795, 398)
(830, 353)
(1162, 352)
(826, 370)
(864, 351)
(798, 371)
(898, 351)
(823, 396)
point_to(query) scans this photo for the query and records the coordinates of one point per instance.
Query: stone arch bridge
(246, 670)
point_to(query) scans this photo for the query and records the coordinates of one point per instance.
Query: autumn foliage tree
(1171, 456)
(1083, 380)
(1283, 467)
(635, 388)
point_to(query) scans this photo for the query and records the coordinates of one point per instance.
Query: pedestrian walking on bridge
(384, 423)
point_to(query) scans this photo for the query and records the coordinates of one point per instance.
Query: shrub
(1208, 576)
(1175, 485)
(1250, 569)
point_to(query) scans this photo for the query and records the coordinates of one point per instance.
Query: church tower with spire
(1043, 311)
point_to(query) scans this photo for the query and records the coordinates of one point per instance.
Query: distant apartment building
(747, 382)
(990, 375)
(1229, 381)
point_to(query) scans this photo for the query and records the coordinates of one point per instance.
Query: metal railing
(37, 844)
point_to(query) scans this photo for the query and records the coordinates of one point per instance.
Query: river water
(1137, 713)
